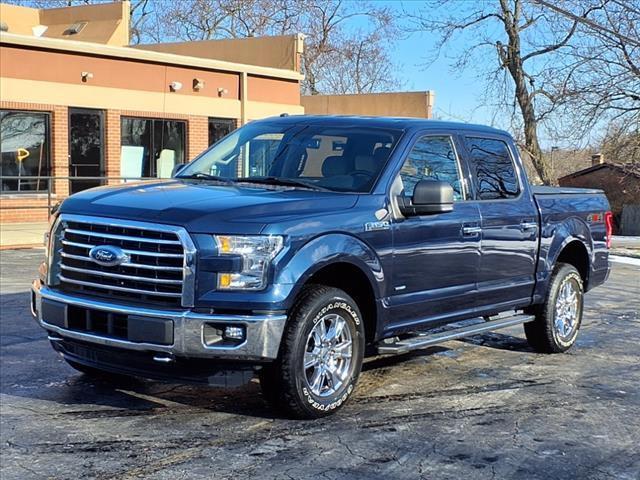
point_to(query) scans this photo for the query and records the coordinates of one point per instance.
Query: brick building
(77, 101)
(620, 183)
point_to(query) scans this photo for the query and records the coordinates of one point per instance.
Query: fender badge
(373, 226)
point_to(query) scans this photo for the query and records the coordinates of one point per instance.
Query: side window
(492, 167)
(432, 157)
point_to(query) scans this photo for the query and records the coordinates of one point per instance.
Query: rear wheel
(558, 319)
(320, 356)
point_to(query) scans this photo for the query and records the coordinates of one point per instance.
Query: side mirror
(429, 196)
(177, 168)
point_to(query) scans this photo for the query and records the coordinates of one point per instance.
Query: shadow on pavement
(31, 369)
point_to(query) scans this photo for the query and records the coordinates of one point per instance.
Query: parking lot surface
(485, 407)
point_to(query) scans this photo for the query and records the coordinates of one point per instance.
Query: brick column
(112, 144)
(60, 149)
(197, 136)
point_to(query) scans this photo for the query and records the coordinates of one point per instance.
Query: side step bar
(426, 339)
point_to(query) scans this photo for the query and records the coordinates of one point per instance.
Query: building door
(86, 148)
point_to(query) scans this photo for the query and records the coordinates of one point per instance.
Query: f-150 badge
(373, 226)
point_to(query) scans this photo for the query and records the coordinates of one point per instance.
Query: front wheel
(320, 355)
(558, 319)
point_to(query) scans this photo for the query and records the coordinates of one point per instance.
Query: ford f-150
(297, 245)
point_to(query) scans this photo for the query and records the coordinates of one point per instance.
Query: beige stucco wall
(276, 52)
(19, 19)
(107, 23)
(392, 104)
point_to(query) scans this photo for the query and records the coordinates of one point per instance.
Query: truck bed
(545, 190)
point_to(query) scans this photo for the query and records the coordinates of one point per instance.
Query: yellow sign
(22, 154)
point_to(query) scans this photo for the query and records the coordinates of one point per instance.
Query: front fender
(326, 250)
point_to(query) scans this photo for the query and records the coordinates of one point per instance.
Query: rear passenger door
(509, 221)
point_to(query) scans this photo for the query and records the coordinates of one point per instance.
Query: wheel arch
(571, 238)
(344, 262)
(575, 253)
(353, 281)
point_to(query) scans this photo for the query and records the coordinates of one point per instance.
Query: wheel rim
(328, 354)
(567, 309)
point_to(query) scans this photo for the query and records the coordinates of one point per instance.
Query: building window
(151, 147)
(24, 146)
(219, 127)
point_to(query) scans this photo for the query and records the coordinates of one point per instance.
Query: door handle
(528, 226)
(470, 231)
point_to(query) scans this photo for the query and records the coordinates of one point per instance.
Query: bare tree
(622, 146)
(603, 65)
(522, 37)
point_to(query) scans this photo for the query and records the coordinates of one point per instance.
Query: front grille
(153, 272)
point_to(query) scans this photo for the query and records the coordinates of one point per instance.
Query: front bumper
(262, 332)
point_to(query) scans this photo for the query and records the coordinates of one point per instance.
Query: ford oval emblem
(107, 255)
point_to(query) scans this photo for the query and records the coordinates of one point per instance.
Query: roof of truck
(403, 123)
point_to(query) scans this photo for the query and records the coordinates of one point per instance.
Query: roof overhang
(143, 56)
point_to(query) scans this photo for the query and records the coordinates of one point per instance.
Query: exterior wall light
(198, 84)
(222, 91)
(86, 76)
(39, 30)
(175, 86)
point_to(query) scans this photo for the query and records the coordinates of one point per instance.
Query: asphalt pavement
(485, 407)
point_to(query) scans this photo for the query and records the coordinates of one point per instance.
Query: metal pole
(49, 198)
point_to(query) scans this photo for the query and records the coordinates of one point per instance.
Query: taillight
(608, 222)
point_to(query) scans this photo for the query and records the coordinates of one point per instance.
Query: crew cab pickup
(297, 245)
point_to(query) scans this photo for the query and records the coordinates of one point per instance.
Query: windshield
(346, 159)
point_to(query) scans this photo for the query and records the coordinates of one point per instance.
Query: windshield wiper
(287, 182)
(206, 176)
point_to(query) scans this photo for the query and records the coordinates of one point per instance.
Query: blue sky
(457, 93)
(461, 95)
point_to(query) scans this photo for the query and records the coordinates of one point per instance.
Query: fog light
(233, 333)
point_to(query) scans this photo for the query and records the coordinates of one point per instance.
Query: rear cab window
(492, 168)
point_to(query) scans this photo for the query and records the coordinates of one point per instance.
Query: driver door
(436, 257)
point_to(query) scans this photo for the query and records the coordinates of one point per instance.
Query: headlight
(256, 251)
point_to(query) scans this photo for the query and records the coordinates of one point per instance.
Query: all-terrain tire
(548, 333)
(286, 384)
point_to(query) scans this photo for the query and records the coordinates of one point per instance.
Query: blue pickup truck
(297, 245)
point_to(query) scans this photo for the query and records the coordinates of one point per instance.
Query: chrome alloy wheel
(327, 357)
(567, 309)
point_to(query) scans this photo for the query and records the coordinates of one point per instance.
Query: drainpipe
(431, 98)
(243, 98)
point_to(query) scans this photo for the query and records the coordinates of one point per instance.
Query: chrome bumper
(263, 332)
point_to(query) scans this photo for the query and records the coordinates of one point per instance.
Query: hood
(204, 207)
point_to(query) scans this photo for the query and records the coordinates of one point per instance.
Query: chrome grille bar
(125, 250)
(121, 276)
(126, 264)
(121, 237)
(119, 289)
